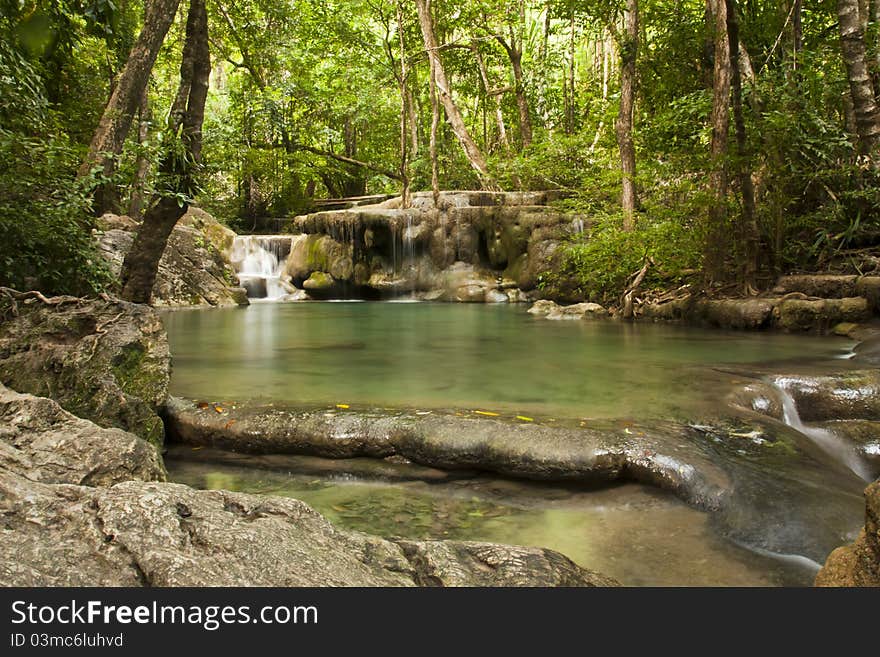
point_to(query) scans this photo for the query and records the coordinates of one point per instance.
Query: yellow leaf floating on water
(219, 409)
(487, 413)
(524, 418)
(342, 406)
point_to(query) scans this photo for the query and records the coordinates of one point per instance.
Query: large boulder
(102, 359)
(857, 564)
(82, 506)
(42, 442)
(195, 269)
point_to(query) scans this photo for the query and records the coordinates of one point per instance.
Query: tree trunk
(441, 84)
(865, 106)
(715, 248)
(495, 94)
(404, 74)
(522, 103)
(751, 234)
(435, 125)
(629, 46)
(115, 123)
(142, 167)
(141, 264)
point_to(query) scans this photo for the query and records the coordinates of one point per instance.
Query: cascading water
(826, 440)
(259, 261)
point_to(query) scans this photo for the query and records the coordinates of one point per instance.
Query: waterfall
(259, 261)
(826, 440)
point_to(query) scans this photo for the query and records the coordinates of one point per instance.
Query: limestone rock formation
(82, 506)
(195, 269)
(474, 247)
(102, 359)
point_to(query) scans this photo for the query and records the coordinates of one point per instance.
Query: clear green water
(637, 535)
(496, 358)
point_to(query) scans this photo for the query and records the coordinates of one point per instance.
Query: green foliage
(604, 261)
(44, 219)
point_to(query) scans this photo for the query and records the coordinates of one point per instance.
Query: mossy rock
(105, 361)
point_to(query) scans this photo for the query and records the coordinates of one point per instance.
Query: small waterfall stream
(826, 440)
(259, 261)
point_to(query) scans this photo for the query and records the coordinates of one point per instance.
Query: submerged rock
(104, 360)
(857, 564)
(195, 269)
(765, 484)
(125, 529)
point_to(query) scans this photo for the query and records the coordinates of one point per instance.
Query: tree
(629, 48)
(441, 84)
(716, 234)
(115, 124)
(751, 234)
(180, 161)
(862, 93)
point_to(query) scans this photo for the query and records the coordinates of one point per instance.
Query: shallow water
(496, 358)
(637, 535)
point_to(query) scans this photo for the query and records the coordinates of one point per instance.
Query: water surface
(497, 358)
(637, 535)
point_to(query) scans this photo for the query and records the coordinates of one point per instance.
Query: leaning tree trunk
(715, 248)
(629, 48)
(453, 114)
(115, 123)
(865, 106)
(178, 168)
(751, 234)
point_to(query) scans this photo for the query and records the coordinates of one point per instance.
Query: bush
(605, 260)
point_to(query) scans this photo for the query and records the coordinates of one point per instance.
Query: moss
(128, 369)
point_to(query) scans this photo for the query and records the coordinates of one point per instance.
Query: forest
(725, 142)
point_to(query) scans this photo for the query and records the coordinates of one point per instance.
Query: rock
(42, 442)
(869, 288)
(662, 455)
(110, 221)
(765, 484)
(851, 395)
(845, 329)
(106, 361)
(318, 281)
(758, 397)
(195, 269)
(826, 286)
(720, 313)
(578, 311)
(496, 296)
(80, 508)
(863, 435)
(470, 293)
(542, 307)
(737, 313)
(551, 310)
(154, 534)
(821, 314)
(857, 564)
(424, 246)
